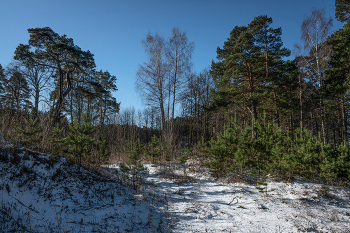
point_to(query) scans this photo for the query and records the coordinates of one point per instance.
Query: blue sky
(113, 29)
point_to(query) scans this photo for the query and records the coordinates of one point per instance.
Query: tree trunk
(71, 109)
(254, 118)
(277, 114)
(163, 118)
(323, 124)
(345, 127)
(36, 103)
(301, 99)
(61, 95)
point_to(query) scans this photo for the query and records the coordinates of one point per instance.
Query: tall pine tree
(247, 65)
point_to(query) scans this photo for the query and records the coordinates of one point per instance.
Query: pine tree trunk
(340, 134)
(345, 127)
(301, 100)
(36, 106)
(71, 109)
(323, 124)
(277, 114)
(312, 123)
(334, 138)
(62, 94)
(254, 118)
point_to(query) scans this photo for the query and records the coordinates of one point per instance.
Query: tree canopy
(248, 65)
(47, 48)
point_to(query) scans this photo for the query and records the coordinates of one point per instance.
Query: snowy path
(210, 206)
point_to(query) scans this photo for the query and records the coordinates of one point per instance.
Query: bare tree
(315, 31)
(139, 118)
(151, 76)
(179, 54)
(16, 94)
(37, 77)
(2, 82)
(194, 99)
(196, 95)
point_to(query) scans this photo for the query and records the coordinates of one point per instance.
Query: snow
(43, 193)
(208, 205)
(38, 195)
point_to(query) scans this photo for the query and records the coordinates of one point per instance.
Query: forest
(252, 112)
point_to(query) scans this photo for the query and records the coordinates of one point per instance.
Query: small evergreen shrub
(154, 149)
(56, 141)
(182, 161)
(27, 135)
(79, 140)
(79, 143)
(133, 171)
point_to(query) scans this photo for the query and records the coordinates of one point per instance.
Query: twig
(233, 200)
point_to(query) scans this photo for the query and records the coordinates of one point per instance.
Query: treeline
(288, 114)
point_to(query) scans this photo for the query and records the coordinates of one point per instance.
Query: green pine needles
(28, 134)
(79, 140)
(79, 144)
(133, 171)
(154, 149)
(275, 152)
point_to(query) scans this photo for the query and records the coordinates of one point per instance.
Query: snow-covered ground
(39, 193)
(208, 205)
(43, 194)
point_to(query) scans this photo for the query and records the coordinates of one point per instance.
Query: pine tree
(2, 79)
(342, 10)
(133, 170)
(337, 79)
(79, 141)
(103, 85)
(284, 100)
(248, 64)
(28, 134)
(49, 49)
(154, 149)
(2, 84)
(56, 141)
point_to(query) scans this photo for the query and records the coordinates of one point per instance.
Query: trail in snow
(209, 205)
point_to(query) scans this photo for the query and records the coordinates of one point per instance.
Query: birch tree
(151, 77)
(179, 54)
(315, 31)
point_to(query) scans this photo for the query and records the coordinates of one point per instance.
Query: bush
(79, 142)
(133, 170)
(274, 151)
(154, 149)
(27, 135)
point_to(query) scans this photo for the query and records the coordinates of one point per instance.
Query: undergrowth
(277, 153)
